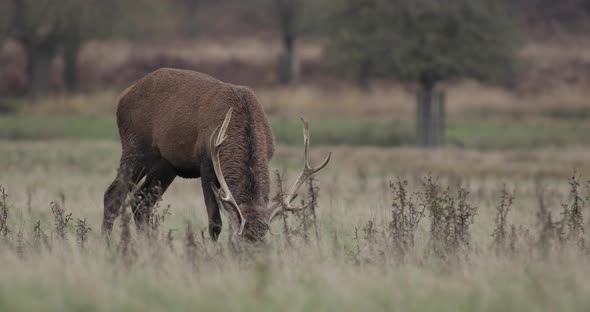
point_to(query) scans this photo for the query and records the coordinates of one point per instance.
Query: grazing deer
(184, 123)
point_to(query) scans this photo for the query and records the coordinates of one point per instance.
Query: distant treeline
(49, 29)
(420, 42)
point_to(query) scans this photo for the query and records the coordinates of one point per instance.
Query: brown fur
(165, 122)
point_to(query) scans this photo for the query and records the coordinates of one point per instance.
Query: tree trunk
(288, 12)
(420, 138)
(38, 66)
(70, 71)
(430, 117)
(288, 70)
(364, 75)
(424, 125)
(441, 117)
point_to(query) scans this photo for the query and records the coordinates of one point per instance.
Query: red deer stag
(188, 124)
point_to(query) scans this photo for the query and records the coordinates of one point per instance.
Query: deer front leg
(213, 212)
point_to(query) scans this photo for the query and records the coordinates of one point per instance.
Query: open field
(360, 262)
(495, 219)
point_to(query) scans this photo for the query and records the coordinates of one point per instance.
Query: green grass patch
(485, 134)
(518, 134)
(361, 132)
(35, 127)
(287, 131)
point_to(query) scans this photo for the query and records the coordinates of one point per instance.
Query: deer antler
(223, 194)
(305, 174)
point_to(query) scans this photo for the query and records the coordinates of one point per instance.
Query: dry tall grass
(452, 242)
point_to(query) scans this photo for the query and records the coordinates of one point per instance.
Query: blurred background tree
(353, 44)
(103, 19)
(185, 12)
(288, 14)
(546, 15)
(5, 21)
(391, 49)
(425, 42)
(294, 19)
(82, 20)
(45, 28)
(37, 26)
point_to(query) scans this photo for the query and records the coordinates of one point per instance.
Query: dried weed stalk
(20, 244)
(573, 219)
(61, 218)
(405, 218)
(4, 213)
(500, 233)
(278, 198)
(82, 230)
(450, 219)
(40, 238)
(313, 194)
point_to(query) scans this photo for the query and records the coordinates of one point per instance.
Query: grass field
(494, 221)
(475, 132)
(364, 258)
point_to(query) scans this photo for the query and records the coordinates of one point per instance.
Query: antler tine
(308, 170)
(305, 174)
(306, 150)
(223, 194)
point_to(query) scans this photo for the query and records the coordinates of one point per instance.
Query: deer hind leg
(156, 183)
(129, 174)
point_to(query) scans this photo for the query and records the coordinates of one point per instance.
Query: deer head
(255, 229)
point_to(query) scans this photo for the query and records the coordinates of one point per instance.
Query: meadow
(493, 221)
(496, 219)
(479, 117)
(393, 229)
